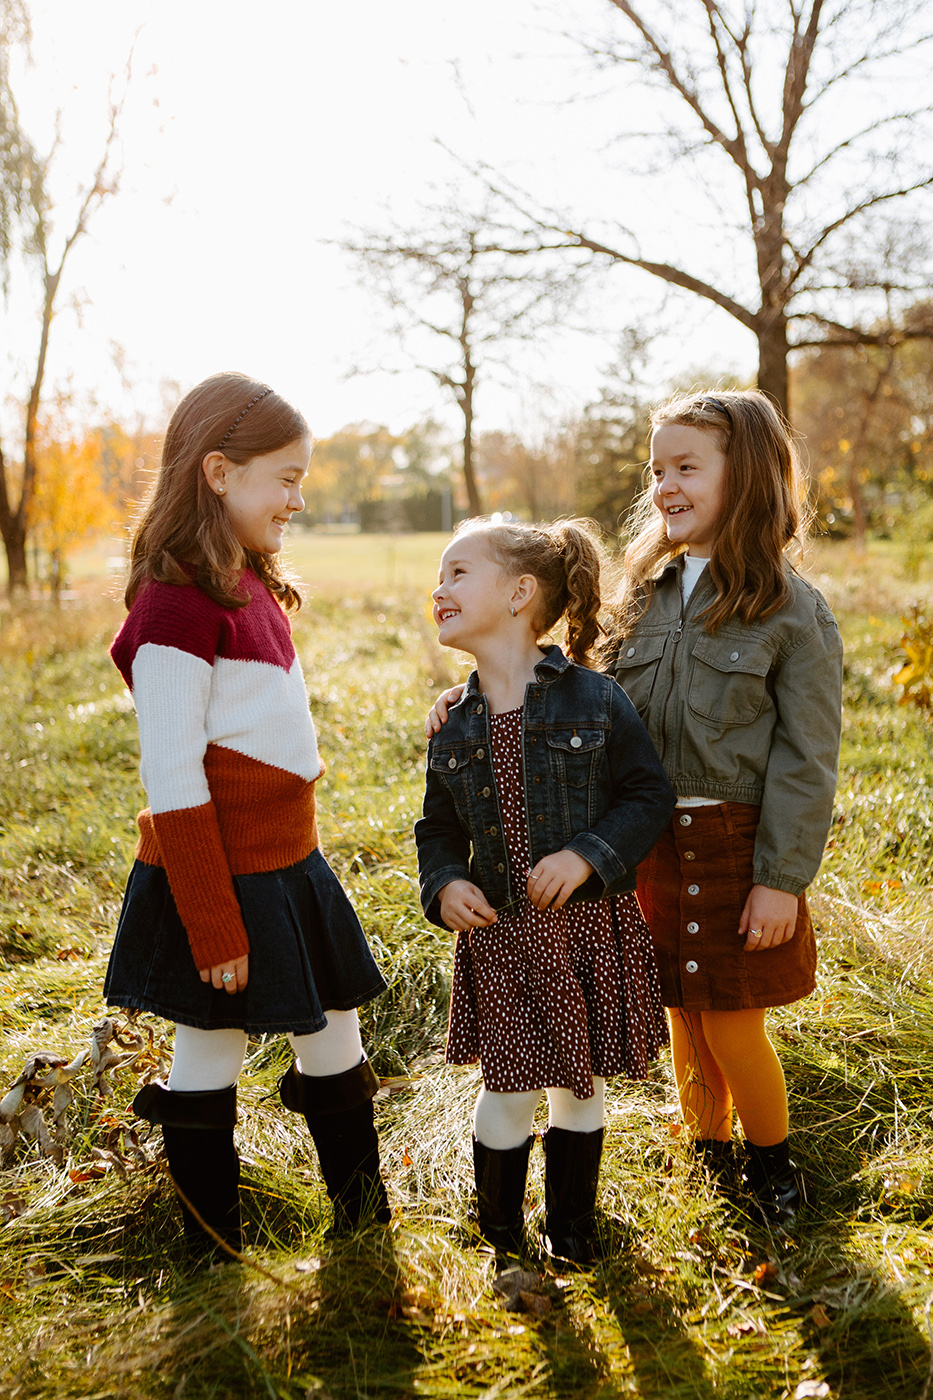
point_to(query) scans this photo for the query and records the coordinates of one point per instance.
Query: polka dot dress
(550, 998)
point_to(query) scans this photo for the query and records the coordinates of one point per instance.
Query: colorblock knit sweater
(229, 756)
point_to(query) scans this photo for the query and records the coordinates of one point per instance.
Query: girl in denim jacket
(735, 665)
(543, 794)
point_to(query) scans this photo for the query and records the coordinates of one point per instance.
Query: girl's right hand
(463, 906)
(237, 971)
(438, 714)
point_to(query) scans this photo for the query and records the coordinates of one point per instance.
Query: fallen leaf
(766, 1273)
(820, 1318)
(747, 1327)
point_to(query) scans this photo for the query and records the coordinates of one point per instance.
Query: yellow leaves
(916, 675)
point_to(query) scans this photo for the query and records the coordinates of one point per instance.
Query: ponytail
(582, 556)
(566, 558)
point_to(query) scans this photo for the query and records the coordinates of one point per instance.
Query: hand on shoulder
(437, 715)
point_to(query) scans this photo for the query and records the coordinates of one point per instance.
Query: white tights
(501, 1121)
(207, 1060)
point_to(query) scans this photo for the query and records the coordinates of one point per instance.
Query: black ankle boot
(500, 1191)
(571, 1175)
(197, 1130)
(719, 1160)
(338, 1109)
(772, 1179)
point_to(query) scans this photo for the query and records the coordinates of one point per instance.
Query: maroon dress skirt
(550, 998)
(692, 889)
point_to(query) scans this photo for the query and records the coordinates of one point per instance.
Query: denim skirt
(307, 953)
(692, 889)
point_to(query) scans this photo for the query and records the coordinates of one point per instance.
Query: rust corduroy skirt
(692, 889)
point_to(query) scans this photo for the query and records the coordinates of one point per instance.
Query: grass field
(691, 1301)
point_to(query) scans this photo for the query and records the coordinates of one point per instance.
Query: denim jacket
(592, 784)
(752, 714)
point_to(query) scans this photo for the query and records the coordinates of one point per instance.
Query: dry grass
(692, 1300)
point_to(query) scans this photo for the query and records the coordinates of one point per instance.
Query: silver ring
(756, 932)
(228, 977)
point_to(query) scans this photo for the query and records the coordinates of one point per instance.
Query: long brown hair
(764, 510)
(184, 534)
(566, 558)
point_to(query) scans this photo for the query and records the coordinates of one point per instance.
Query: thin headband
(230, 430)
(718, 404)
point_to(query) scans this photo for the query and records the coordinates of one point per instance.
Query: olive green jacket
(752, 714)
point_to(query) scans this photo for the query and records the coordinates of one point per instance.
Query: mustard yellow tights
(724, 1059)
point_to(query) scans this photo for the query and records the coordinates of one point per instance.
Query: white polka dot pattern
(548, 998)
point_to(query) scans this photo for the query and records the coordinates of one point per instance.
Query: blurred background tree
(460, 294)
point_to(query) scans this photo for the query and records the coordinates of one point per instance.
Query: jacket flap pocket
(576, 739)
(640, 651)
(450, 758)
(745, 655)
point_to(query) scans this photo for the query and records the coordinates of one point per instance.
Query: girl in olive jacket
(735, 665)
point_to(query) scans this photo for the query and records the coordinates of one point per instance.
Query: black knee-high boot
(197, 1129)
(571, 1175)
(338, 1109)
(500, 1191)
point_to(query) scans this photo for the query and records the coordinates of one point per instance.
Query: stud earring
(220, 490)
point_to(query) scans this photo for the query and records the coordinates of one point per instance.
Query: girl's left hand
(237, 975)
(555, 878)
(768, 919)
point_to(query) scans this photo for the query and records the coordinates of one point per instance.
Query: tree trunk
(469, 474)
(772, 362)
(14, 541)
(14, 537)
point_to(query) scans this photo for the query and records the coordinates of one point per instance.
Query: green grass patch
(96, 1299)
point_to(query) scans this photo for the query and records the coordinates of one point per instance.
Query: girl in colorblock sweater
(233, 923)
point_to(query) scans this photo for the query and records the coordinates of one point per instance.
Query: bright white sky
(253, 132)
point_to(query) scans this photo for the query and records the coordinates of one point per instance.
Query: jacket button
(452, 763)
(536, 778)
(576, 742)
(692, 966)
(630, 652)
(689, 855)
(693, 889)
(478, 710)
(500, 868)
(734, 656)
(539, 817)
(685, 820)
(493, 831)
(480, 753)
(485, 792)
(693, 928)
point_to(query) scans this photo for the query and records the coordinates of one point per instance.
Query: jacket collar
(552, 664)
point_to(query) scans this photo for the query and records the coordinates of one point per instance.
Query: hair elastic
(230, 430)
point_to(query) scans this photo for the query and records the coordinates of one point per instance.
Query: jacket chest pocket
(728, 679)
(575, 754)
(636, 668)
(454, 765)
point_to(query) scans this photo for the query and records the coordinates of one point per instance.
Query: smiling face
(689, 471)
(471, 600)
(261, 497)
